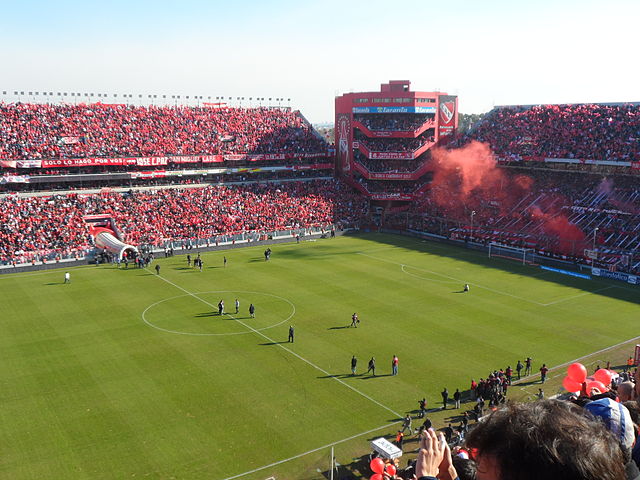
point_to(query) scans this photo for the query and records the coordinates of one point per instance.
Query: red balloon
(577, 372)
(376, 476)
(570, 385)
(596, 384)
(377, 465)
(603, 375)
(391, 470)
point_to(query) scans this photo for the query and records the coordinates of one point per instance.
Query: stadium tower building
(383, 140)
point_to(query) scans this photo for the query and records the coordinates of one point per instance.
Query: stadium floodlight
(15, 93)
(139, 95)
(473, 214)
(4, 92)
(73, 94)
(593, 258)
(91, 94)
(164, 96)
(30, 93)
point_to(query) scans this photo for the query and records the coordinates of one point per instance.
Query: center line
(249, 327)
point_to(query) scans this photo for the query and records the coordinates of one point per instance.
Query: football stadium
(197, 288)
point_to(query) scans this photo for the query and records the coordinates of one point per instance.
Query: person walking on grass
(527, 366)
(543, 372)
(237, 306)
(67, 277)
(394, 365)
(372, 366)
(291, 334)
(252, 311)
(354, 364)
(445, 398)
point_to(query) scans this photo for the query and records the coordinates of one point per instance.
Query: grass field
(126, 374)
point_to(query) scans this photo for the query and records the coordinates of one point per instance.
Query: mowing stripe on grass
(307, 453)
(308, 362)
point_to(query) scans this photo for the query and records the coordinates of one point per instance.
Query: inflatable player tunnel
(107, 236)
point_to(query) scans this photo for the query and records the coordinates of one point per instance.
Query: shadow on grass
(339, 328)
(55, 283)
(369, 377)
(207, 314)
(273, 343)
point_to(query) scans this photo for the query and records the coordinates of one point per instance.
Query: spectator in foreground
(549, 439)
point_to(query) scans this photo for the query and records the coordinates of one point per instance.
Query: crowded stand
(392, 122)
(389, 186)
(605, 209)
(581, 131)
(33, 228)
(44, 131)
(394, 145)
(388, 166)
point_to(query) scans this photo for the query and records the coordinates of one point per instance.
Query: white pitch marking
(425, 278)
(578, 296)
(456, 279)
(308, 452)
(515, 382)
(144, 315)
(249, 327)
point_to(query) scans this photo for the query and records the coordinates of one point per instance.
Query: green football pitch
(129, 374)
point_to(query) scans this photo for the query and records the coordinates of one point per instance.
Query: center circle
(201, 312)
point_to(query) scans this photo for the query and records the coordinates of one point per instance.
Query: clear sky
(487, 52)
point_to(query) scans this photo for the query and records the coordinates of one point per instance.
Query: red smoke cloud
(469, 176)
(468, 179)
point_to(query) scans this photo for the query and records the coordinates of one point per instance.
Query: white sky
(489, 53)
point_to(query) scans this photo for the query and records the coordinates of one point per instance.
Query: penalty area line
(499, 292)
(308, 362)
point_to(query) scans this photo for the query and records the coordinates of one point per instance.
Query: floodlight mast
(593, 254)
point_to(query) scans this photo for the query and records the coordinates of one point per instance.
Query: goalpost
(524, 255)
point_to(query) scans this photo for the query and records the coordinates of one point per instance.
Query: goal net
(526, 256)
